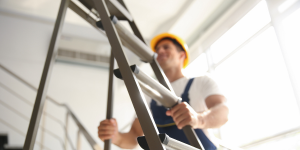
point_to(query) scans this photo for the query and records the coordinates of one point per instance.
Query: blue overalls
(165, 124)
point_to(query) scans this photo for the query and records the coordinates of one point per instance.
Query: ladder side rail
(160, 75)
(42, 90)
(110, 98)
(132, 24)
(138, 100)
(121, 9)
(139, 47)
(85, 16)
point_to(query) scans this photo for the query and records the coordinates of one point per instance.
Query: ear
(182, 55)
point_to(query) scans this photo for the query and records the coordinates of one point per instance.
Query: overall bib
(165, 124)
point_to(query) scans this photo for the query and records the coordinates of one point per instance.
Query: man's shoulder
(202, 78)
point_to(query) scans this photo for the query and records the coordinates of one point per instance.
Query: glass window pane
(196, 68)
(260, 96)
(291, 27)
(287, 142)
(252, 22)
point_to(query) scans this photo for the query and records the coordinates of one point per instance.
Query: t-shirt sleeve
(210, 87)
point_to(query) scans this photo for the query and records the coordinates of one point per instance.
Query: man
(202, 107)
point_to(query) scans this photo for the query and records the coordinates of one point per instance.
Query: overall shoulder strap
(188, 85)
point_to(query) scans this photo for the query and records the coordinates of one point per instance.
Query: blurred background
(250, 47)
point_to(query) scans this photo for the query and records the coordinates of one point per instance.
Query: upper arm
(214, 100)
(211, 92)
(136, 128)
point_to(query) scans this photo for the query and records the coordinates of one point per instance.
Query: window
(291, 31)
(257, 18)
(259, 93)
(256, 78)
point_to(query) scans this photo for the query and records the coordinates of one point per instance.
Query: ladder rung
(114, 7)
(131, 41)
(168, 98)
(168, 142)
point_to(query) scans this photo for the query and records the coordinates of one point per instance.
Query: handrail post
(42, 90)
(43, 126)
(66, 129)
(78, 140)
(109, 111)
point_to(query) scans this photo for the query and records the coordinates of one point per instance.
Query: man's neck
(173, 74)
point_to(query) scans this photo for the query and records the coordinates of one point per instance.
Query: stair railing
(81, 129)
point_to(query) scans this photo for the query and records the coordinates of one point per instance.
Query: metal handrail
(27, 119)
(82, 130)
(16, 94)
(18, 131)
(27, 102)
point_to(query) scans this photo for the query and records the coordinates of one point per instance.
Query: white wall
(24, 43)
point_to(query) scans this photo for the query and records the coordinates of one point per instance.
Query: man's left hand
(183, 114)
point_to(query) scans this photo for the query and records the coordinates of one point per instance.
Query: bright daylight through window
(291, 27)
(259, 93)
(252, 22)
(255, 75)
(256, 82)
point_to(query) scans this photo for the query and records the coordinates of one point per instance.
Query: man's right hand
(108, 129)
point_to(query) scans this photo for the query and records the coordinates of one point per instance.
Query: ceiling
(185, 18)
(181, 17)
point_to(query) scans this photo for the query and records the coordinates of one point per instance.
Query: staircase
(4, 143)
(63, 138)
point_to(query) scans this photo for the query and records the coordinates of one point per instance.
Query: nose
(160, 50)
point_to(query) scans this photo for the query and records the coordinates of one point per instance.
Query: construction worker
(203, 104)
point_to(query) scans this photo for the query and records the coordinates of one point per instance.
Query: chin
(162, 65)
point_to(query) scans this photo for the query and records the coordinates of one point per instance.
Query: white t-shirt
(201, 88)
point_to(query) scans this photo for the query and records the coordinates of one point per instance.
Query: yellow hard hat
(157, 38)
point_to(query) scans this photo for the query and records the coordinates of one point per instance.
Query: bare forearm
(126, 140)
(215, 117)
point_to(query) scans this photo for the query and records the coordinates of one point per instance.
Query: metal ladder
(109, 11)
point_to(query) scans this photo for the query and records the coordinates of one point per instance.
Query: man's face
(168, 56)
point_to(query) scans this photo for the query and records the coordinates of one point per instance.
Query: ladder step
(169, 98)
(3, 140)
(8, 147)
(169, 143)
(114, 7)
